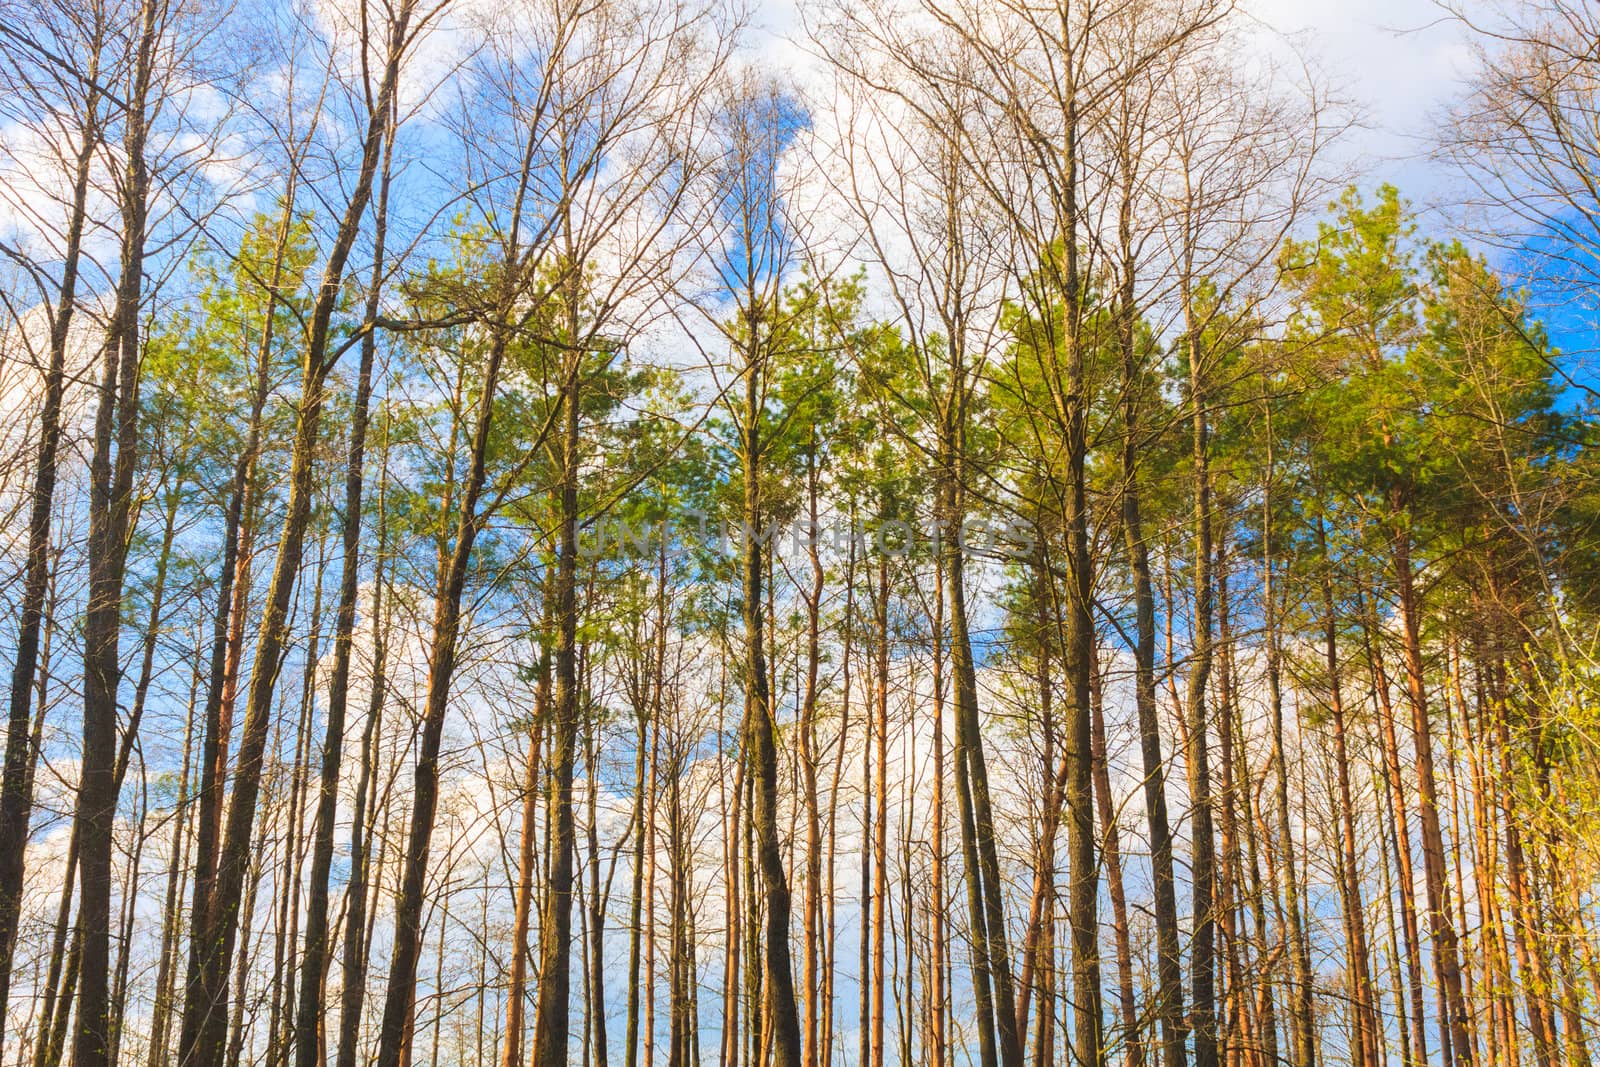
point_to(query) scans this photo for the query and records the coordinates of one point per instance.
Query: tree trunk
(16, 792)
(760, 736)
(116, 442)
(517, 992)
(1368, 1035)
(356, 940)
(880, 841)
(997, 1013)
(597, 903)
(936, 911)
(1112, 851)
(555, 928)
(1447, 959)
(1202, 967)
(811, 916)
(307, 1029)
(394, 1036)
(161, 1011)
(1169, 968)
(1400, 834)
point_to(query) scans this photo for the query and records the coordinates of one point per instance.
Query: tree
(217, 919)
(75, 95)
(754, 246)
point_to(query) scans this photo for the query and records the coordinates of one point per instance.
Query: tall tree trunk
(16, 792)
(1447, 957)
(61, 988)
(880, 822)
(1368, 1035)
(841, 752)
(868, 859)
(597, 903)
(1266, 1047)
(732, 821)
(1070, 394)
(53, 1045)
(227, 622)
(1538, 989)
(352, 986)
(681, 965)
(236, 1029)
(1169, 968)
(394, 1035)
(141, 691)
(1235, 1032)
(1400, 832)
(116, 442)
(309, 1045)
(130, 900)
(1498, 990)
(286, 885)
(936, 911)
(1038, 951)
(999, 1039)
(1202, 969)
(1303, 1037)
(1112, 850)
(811, 915)
(177, 871)
(760, 737)
(517, 991)
(551, 1024)
(646, 711)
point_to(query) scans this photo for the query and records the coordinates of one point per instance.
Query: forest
(964, 532)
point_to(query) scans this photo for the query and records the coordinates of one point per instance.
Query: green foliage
(201, 364)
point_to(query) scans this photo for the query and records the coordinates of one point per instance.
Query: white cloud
(1400, 61)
